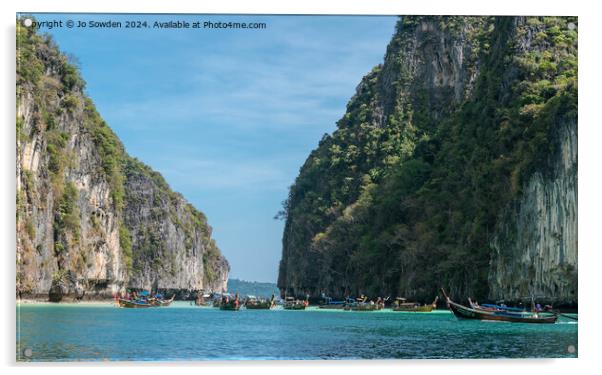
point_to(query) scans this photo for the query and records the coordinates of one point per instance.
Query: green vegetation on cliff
(404, 196)
(89, 216)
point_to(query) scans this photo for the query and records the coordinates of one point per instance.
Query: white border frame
(589, 177)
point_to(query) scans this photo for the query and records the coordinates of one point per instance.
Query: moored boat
(362, 304)
(230, 304)
(491, 307)
(134, 304)
(217, 298)
(330, 304)
(254, 303)
(160, 302)
(143, 299)
(402, 305)
(290, 303)
(464, 312)
(203, 300)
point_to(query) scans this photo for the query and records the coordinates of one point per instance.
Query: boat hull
(230, 306)
(463, 312)
(159, 303)
(294, 307)
(133, 305)
(363, 307)
(332, 307)
(258, 306)
(427, 308)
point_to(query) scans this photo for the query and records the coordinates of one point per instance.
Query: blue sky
(227, 116)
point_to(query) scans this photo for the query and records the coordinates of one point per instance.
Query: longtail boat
(218, 298)
(203, 300)
(464, 312)
(290, 303)
(161, 302)
(331, 304)
(361, 304)
(491, 307)
(133, 304)
(253, 303)
(402, 305)
(230, 304)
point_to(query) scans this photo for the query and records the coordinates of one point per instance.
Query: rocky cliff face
(535, 245)
(429, 69)
(171, 241)
(91, 220)
(439, 150)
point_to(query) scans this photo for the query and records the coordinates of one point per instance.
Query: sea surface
(98, 332)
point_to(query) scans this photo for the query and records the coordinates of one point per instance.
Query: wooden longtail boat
(203, 300)
(464, 312)
(219, 298)
(334, 305)
(401, 305)
(230, 305)
(361, 305)
(253, 303)
(133, 304)
(291, 303)
(162, 303)
(489, 307)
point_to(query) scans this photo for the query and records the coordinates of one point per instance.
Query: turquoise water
(184, 332)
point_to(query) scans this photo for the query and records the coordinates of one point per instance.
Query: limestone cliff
(439, 172)
(91, 220)
(535, 246)
(172, 246)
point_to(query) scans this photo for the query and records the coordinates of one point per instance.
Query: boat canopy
(502, 307)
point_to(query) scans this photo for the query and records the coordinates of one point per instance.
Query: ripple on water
(184, 332)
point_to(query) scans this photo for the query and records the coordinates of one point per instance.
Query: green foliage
(55, 148)
(125, 243)
(30, 229)
(70, 102)
(210, 258)
(168, 205)
(33, 52)
(28, 180)
(67, 218)
(110, 150)
(29, 67)
(59, 104)
(59, 248)
(71, 78)
(59, 276)
(408, 207)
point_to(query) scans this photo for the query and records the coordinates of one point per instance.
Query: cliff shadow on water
(455, 165)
